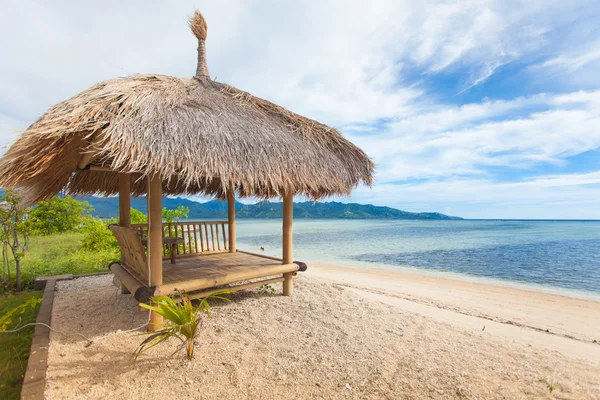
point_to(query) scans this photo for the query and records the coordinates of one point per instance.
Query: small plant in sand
(551, 388)
(267, 289)
(183, 319)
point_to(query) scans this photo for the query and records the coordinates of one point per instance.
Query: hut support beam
(231, 218)
(155, 242)
(288, 207)
(124, 208)
(85, 160)
(125, 200)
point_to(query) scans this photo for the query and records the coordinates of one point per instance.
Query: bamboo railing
(198, 236)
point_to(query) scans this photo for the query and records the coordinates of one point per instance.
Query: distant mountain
(334, 210)
(109, 207)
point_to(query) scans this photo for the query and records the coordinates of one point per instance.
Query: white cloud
(351, 65)
(9, 131)
(574, 61)
(566, 196)
(333, 61)
(462, 140)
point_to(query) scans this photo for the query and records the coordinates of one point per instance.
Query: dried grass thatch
(199, 135)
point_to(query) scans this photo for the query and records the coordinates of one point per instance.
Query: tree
(97, 236)
(15, 231)
(172, 215)
(138, 217)
(176, 214)
(5, 263)
(59, 214)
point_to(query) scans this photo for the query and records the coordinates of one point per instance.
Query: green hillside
(109, 207)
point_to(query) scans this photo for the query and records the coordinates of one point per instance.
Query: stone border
(34, 381)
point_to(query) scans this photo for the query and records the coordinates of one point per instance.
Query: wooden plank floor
(211, 265)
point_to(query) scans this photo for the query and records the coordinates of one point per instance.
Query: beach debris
(348, 386)
(483, 329)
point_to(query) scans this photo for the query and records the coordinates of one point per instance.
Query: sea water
(555, 256)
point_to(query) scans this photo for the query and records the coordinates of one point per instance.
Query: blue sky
(483, 109)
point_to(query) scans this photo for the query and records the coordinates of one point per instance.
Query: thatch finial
(199, 28)
(198, 25)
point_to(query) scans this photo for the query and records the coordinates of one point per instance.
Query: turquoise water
(561, 256)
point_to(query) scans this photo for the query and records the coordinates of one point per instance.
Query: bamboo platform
(197, 274)
(211, 269)
(212, 265)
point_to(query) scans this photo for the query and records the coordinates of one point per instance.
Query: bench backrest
(133, 255)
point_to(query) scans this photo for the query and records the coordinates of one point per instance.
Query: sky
(481, 109)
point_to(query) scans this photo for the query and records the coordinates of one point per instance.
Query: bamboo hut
(157, 135)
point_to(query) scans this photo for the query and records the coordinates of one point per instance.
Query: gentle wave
(555, 254)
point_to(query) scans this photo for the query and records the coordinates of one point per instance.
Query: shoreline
(571, 274)
(461, 277)
(556, 322)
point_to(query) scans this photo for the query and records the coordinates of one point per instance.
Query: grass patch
(61, 254)
(14, 347)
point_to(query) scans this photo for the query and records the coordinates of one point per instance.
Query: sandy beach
(345, 333)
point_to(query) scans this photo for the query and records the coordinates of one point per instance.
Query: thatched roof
(199, 135)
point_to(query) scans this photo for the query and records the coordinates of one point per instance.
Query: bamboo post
(125, 200)
(124, 208)
(231, 218)
(155, 245)
(288, 211)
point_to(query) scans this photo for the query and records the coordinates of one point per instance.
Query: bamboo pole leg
(124, 200)
(155, 243)
(231, 218)
(288, 283)
(124, 208)
(288, 210)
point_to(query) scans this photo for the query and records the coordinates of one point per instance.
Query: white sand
(345, 333)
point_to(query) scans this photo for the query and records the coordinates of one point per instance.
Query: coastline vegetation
(59, 236)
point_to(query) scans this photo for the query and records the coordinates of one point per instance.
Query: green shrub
(135, 216)
(97, 236)
(57, 215)
(174, 215)
(138, 217)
